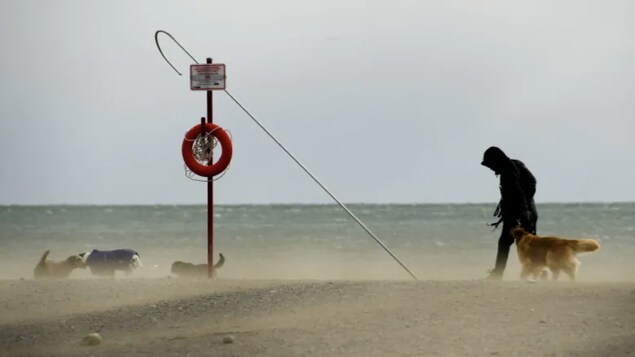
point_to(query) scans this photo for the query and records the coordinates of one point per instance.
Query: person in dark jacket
(516, 206)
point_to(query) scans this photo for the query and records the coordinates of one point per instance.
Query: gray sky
(384, 101)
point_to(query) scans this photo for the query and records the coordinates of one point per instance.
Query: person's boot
(495, 275)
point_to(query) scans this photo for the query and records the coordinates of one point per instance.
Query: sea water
(435, 241)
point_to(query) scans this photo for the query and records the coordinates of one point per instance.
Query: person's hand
(495, 224)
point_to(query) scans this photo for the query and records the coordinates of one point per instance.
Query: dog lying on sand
(106, 262)
(559, 255)
(46, 268)
(189, 270)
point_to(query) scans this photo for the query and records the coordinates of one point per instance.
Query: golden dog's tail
(44, 256)
(586, 245)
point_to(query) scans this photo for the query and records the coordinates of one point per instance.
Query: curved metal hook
(156, 39)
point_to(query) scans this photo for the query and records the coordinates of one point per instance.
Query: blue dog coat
(118, 259)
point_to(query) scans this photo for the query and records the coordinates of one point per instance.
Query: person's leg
(504, 243)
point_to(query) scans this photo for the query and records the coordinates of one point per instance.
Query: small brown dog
(49, 269)
(189, 270)
(538, 253)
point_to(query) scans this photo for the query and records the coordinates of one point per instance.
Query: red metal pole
(210, 197)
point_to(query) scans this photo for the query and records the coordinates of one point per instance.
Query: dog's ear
(518, 232)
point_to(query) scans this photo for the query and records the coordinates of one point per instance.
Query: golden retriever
(46, 268)
(189, 270)
(559, 255)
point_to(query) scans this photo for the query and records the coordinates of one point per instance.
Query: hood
(495, 159)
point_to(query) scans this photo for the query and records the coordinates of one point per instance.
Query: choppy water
(310, 241)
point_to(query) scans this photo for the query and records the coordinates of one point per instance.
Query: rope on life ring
(190, 159)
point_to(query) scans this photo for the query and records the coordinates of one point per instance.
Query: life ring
(188, 155)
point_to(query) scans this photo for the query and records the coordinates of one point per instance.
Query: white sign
(207, 76)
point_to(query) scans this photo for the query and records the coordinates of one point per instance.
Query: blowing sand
(231, 317)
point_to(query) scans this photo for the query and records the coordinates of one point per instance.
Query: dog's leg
(554, 265)
(571, 269)
(570, 272)
(524, 273)
(537, 272)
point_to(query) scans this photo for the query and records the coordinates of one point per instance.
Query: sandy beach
(183, 317)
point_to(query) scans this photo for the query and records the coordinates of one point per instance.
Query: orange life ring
(188, 155)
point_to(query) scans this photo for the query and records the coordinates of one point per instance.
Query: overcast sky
(384, 101)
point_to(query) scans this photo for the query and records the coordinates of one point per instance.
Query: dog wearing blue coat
(106, 262)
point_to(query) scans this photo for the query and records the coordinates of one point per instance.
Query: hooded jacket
(517, 187)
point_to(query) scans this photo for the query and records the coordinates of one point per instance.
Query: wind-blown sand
(182, 317)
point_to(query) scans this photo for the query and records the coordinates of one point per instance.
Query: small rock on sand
(228, 339)
(92, 339)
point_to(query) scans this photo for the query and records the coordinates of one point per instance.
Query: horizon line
(296, 204)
